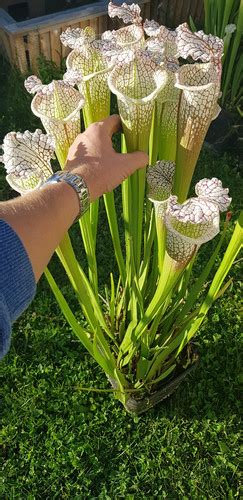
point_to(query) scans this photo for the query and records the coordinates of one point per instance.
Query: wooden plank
(103, 24)
(170, 14)
(162, 12)
(21, 54)
(84, 24)
(94, 23)
(196, 10)
(45, 45)
(146, 11)
(6, 45)
(178, 15)
(200, 13)
(34, 50)
(56, 50)
(187, 9)
(12, 43)
(154, 9)
(193, 8)
(74, 25)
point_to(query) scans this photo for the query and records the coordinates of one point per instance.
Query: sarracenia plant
(167, 86)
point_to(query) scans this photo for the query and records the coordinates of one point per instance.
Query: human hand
(93, 158)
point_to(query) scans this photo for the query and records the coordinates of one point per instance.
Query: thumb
(135, 160)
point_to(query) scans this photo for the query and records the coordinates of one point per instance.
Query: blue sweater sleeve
(17, 282)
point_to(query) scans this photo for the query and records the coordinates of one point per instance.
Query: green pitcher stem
(66, 255)
(168, 136)
(61, 156)
(154, 136)
(141, 174)
(127, 217)
(87, 236)
(161, 236)
(94, 214)
(113, 225)
(171, 273)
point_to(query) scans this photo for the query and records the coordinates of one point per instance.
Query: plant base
(140, 404)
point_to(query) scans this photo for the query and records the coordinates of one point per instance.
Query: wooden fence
(171, 13)
(23, 42)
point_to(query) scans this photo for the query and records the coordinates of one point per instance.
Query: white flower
(137, 83)
(131, 36)
(189, 225)
(128, 13)
(165, 37)
(198, 45)
(93, 59)
(27, 159)
(197, 108)
(73, 77)
(160, 180)
(76, 38)
(212, 190)
(58, 106)
(195, 221)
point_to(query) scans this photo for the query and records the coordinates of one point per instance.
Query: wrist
(77, 184)
(64, 202)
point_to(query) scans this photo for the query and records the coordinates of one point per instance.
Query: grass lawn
(61, 442)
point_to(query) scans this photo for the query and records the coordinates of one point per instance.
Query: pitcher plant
(167, 85)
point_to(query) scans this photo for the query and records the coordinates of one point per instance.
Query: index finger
(112, 124)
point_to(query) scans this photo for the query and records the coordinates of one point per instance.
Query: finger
(112, 124)
(135, 160)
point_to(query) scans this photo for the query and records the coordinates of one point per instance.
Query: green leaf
(142, 367)
(112, 303)
(83, 336)
(233, 53)
(198, 285)
(227, 16)
(236, 83)
(163, 375)
(100, 356)
(192, 24)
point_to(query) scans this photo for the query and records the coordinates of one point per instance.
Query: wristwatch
(77, 183)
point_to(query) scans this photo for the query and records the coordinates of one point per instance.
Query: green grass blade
(192, 24)
(230, 255)
(77, 277)
(207, 22)
(227, 16)
(198, 285)
(113, 225)
(161, 377)
(148, 243)
(220, 14)
(237, 78)
(94, 215)
(234, 51)
(112, 304)
(99, 355)
(89, 246)
(166, 283)
(82, 335)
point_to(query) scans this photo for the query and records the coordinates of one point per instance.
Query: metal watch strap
(77, 183)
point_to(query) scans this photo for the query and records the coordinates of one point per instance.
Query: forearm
(41, 220)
